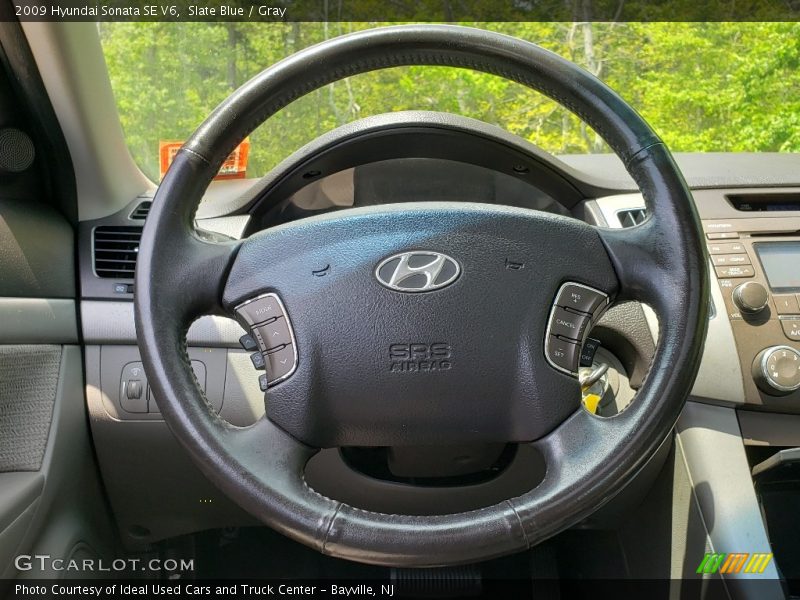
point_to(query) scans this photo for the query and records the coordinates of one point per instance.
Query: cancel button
(568, 324)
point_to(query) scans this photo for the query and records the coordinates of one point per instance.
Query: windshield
(704, 87)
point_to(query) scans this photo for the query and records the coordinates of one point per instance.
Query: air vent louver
(141, 212)
(631, 216)
(115, 251)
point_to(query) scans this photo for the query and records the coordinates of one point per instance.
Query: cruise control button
(280, 363)
(274, 334)
(580, 298)
(568, 324)
(263, 383)
(258, 361)
(724, 260)
(562, 353)
(260, 310)
(791, 328)
(737, 271)
(588, 351)
(726, 248)
(786, 304)
(248, 342)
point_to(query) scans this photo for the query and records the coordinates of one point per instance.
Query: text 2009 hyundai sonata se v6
(346, 308)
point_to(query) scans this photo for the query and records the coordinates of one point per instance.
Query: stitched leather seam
(521, 525)
(382, 514)
(330, 526)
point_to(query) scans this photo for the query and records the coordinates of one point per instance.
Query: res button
(580, 298)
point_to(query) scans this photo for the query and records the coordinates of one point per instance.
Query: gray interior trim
(17, 492)
(720, 376)
(108, 322)
(232, 226)
(711, 442)
(769, 429)
(38, 321)
(33, 240)
(701, 169)
(72, 67)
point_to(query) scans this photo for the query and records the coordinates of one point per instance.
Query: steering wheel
(422, 284)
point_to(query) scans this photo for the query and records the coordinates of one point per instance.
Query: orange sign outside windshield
(234, 167)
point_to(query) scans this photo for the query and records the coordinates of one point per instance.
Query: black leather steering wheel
(499, 385)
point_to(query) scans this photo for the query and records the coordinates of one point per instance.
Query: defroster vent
(631, 216)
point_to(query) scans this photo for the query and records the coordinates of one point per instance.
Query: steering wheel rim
(661, 262)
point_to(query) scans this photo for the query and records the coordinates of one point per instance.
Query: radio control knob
(776, 370)
(751, 298)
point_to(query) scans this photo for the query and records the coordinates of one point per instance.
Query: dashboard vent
(631, 216)
(115, 251)
(141, 212)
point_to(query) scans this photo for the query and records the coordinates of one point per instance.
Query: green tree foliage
(702, 86)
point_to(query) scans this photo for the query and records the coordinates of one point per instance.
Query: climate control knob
(751, 298)
(776, 370)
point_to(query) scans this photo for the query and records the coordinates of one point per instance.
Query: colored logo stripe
(735, 562)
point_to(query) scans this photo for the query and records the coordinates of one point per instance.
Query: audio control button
(751, 298)
(726, 248)
(259, 310)
(735, 271)
(724, 260)
(280, 364)
(274, 334)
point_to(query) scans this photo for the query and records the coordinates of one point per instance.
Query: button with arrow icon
(275, 334)
(280, 363)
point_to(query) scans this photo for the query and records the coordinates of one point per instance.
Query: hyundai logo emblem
(418, 271)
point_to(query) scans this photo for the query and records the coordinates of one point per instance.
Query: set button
(271, 337)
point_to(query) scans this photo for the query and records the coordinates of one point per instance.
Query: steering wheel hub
(451, 364)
